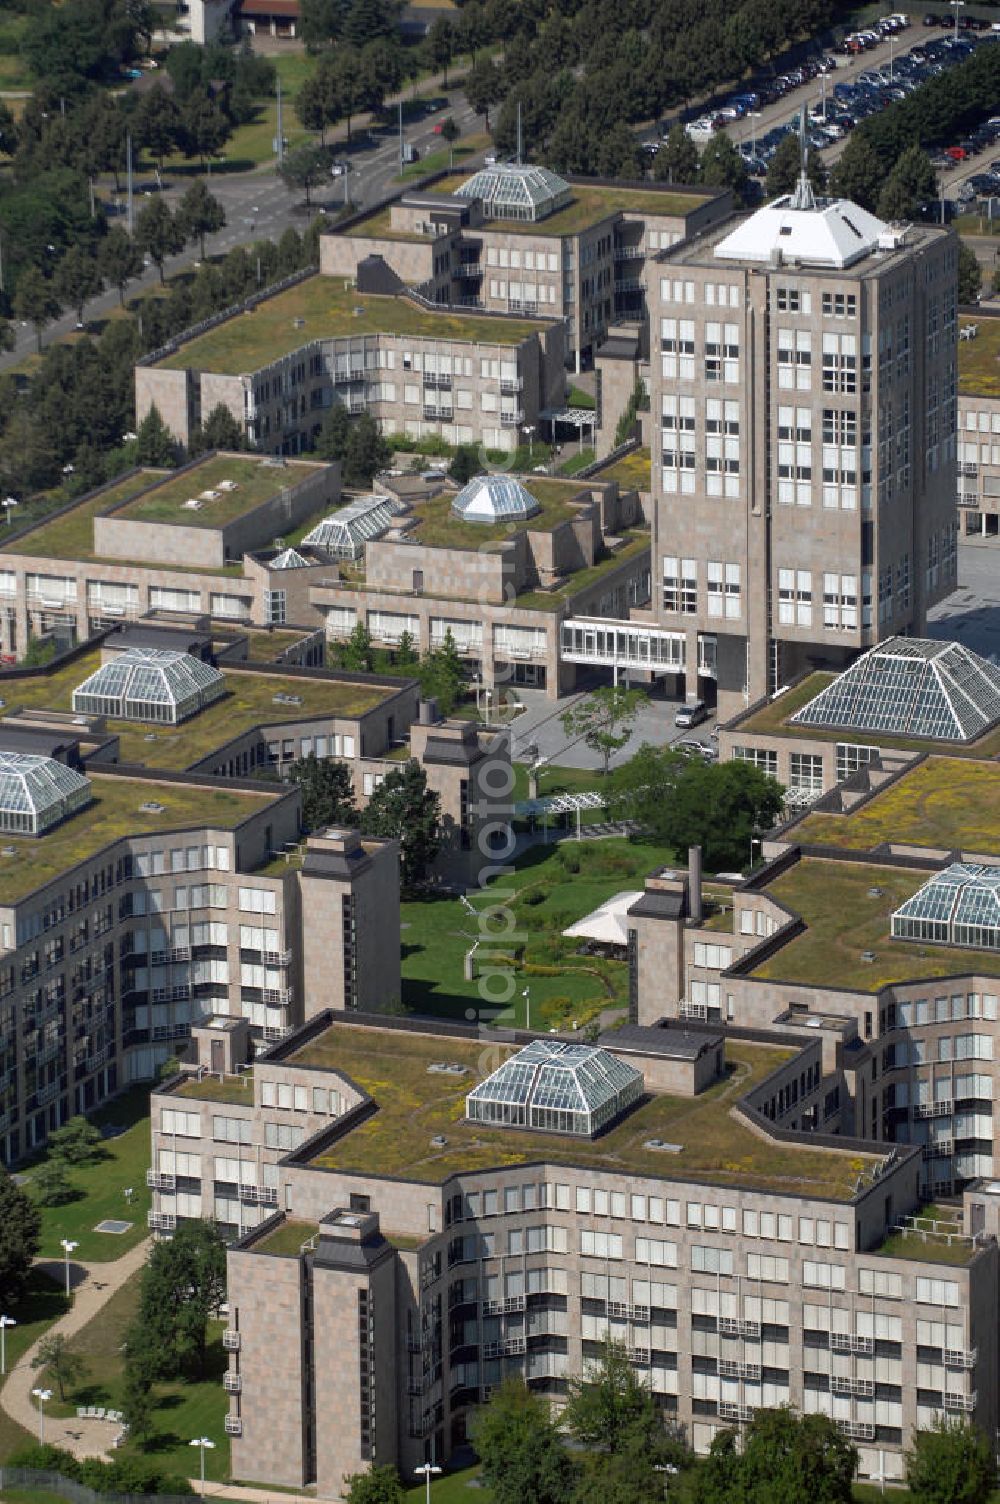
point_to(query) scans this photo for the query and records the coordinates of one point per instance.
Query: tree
(76, 1142)
(199, 214)
(858, 174)
(440, 45)
(205, 128)
(379, 1485)
(20, 1235)
(441, 674)
(451, 133)
(35, 301)
(677, 159)
(970, 275)
(155, 444)
(609, 1409)
(305, 168)
(950, 1463)
(327, 792)
(404, 809)
(465, 463)
(785, 167)
(158, 233)
(183, 1285)
(157, 123)
(119, 260)
(335, 430)
(137, 1401)
(220, 430)
(723, 167)
(785, 1459)
(59, 1362)
(356, 653)
(604, 719)
(483, 87)
(51, 1184)
(911, 184)
(523, 1455)
(318, 101)
(366, 452)
(76, 279)
(683, 801)
(406, 652)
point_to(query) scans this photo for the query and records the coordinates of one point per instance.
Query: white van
(691, 715)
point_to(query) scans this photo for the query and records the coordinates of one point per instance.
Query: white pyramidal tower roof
(801, 228)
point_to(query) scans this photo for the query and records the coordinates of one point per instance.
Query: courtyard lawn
(551, 888)
(458, 1488)
(43, 1303)
(183, 1407)
(99, 1187)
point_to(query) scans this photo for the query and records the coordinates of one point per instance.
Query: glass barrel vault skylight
(345, 533)
(515, 190)
(494, 498)
(37, 792)
(959, 906)
(560, 1088)
(911, 686)
(149, 684)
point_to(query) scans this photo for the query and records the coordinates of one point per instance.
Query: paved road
(93, 1286)
(259, 206)
(541, 726)
(971, 614)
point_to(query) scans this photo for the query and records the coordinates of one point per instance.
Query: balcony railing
(960, 1357)
(511, 420)
(439, 414)
(511, 384)
(232, 1383)
(844, 1342)
(966, 1403)
(505, 1306)
(843, 1384)
(639, 1357)
(942, 1109)
(731, 1411)
(161, 1221)
(734, 1327)
(508, 1347)
(230, 1340)
(629, 1313)
(157, 1181)
(859, 1430)
(277, 957)
(234, 1425)
(729, 1368)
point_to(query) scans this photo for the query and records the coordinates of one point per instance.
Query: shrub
(569, 858)
(536, 896)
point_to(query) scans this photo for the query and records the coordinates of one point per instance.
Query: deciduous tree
(35, 301)
(327, 792)
(677, 160)
(523, 1455)
(158, 233)
(785, 1459)
(403, 808)
(950, 1462)
(20, 1234)
(305, 168)
(183, 1285)
(59, 1362)
(77, 279)
(199, 213)
(119, 260)
(77, 1142)
(604, 719)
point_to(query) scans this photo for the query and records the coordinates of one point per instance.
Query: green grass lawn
(444, 160)
(457, 1488)
(577, 461)
(547, 896)
(184, 1408)
(100, 1187)
(14, 71)
(42, 1304)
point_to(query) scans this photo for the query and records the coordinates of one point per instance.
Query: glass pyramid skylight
(516, 190)
(494, 498)
(911, 686)
(345, 533)
(959, 906)
(561, 1088)
(37, 792)
(149, 684)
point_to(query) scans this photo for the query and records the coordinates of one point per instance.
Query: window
(724, 590)
(840, 602)
(839, 305)
(823, 1276)
(794, 360)
(805, 773)
(793, 300)
(937, 1292)
(761, 1266)
(678, 460)
(706, 1260)
(722, 352)
(795, 597)
(677, 348)
(878, 1282)
(840, 363)
(680, 585)
(762, 758)
(601, 1245)
(712, 957)
(655, 1251)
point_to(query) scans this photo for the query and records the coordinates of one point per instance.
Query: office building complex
(979, 427)
(803, 394)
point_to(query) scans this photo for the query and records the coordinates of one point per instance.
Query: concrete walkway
(93, 1286)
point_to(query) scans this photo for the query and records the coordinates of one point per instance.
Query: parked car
(689, 716)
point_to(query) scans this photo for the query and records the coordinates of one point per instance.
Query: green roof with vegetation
(329, 308)
(591, 202)
(979, 358)
(631, 546)
(27, 862)
(774, 719)
(632, 471)
(847, 908)
(267, 646)
(437, 526)
(249, 702)
(415, 1106)
(71, 535)
(256, 482)
(236, 1091)
(287, 1237)
(947, 802)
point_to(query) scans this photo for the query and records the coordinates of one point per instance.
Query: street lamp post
(529, 429)
(956, 6)
(68, 1247)
(8, 503)
(427, 1470)
(204, 1443)
(5, 1322)
(753, 116)
(754, 841)
(41, 1395)
(526, 994)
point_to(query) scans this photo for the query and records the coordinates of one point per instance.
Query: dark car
(931, 20)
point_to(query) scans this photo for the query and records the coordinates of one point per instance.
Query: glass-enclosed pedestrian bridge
(630, 644)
